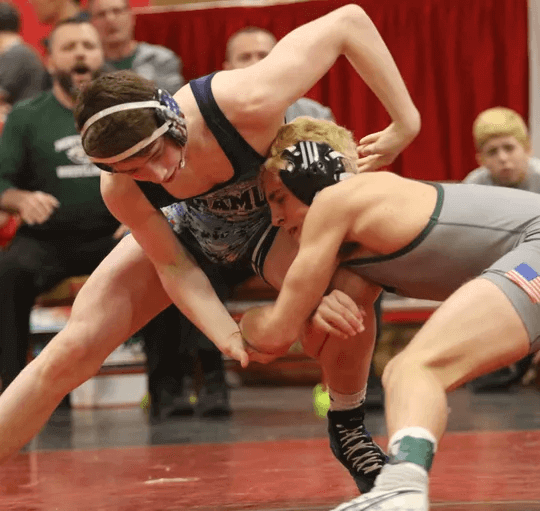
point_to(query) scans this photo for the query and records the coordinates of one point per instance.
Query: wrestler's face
(506, 159)
(287, 211)
(160, 164)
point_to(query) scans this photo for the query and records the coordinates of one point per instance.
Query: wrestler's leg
(121, 295)
(476, 330)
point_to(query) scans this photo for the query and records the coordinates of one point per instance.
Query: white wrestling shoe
(401, 487)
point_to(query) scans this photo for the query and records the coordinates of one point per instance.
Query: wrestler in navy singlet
(226, 223)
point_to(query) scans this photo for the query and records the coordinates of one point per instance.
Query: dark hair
(10, 18)
(117, 132)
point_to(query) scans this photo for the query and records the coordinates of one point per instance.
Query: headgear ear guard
(311, 166)
(171, 121)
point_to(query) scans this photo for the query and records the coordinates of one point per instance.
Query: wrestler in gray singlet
(474, 231)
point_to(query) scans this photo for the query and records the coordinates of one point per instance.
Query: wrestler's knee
(71, 357)
(410, 363)
(400, 368)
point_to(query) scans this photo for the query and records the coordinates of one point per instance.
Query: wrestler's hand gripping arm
(273, 328)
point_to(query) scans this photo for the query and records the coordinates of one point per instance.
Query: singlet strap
(237, 150)
(156, 194)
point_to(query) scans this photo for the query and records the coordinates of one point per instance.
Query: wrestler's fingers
(368, 139)
(372, 162)
(346, 316)
(349, 304)
(333, 326)
(343, 320)
(242, 357)
(238, 352)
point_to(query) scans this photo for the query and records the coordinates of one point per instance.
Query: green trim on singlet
(434, 218)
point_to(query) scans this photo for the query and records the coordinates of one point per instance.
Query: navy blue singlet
(230, 219)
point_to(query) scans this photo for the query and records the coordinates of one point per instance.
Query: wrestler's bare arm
(182, 278)
(277, 326)
(303, 56)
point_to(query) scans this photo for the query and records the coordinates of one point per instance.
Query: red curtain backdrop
(457, 57)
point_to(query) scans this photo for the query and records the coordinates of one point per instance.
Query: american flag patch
(527, 279)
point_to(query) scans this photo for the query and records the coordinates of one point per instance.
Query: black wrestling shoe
(353, 446)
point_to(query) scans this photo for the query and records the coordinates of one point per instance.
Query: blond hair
(499, 121)
(315, 130)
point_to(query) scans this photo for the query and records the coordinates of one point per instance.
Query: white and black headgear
(311, 166)
(171, 121)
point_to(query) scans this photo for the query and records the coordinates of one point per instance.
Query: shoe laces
(359, 448)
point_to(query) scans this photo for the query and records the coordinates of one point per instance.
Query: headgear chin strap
(168, 113)
(311, 166)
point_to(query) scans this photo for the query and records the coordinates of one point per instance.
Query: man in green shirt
(46, 179)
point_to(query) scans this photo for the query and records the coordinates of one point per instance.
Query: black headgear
(311, 166)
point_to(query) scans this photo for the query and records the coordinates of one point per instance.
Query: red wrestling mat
(472, 472)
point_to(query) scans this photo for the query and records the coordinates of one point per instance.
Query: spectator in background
(115, 23)
(52, 12)
(47, 180)
(503, 151)
(21, 71)
(248, 46)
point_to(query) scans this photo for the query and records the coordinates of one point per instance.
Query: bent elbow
(353, 15)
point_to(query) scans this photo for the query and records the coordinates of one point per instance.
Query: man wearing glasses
(115, 23)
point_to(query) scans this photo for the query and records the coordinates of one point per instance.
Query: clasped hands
(263, 334)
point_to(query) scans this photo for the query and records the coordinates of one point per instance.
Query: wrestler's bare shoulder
(365, 184)
(375, 186)
(374, 202)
